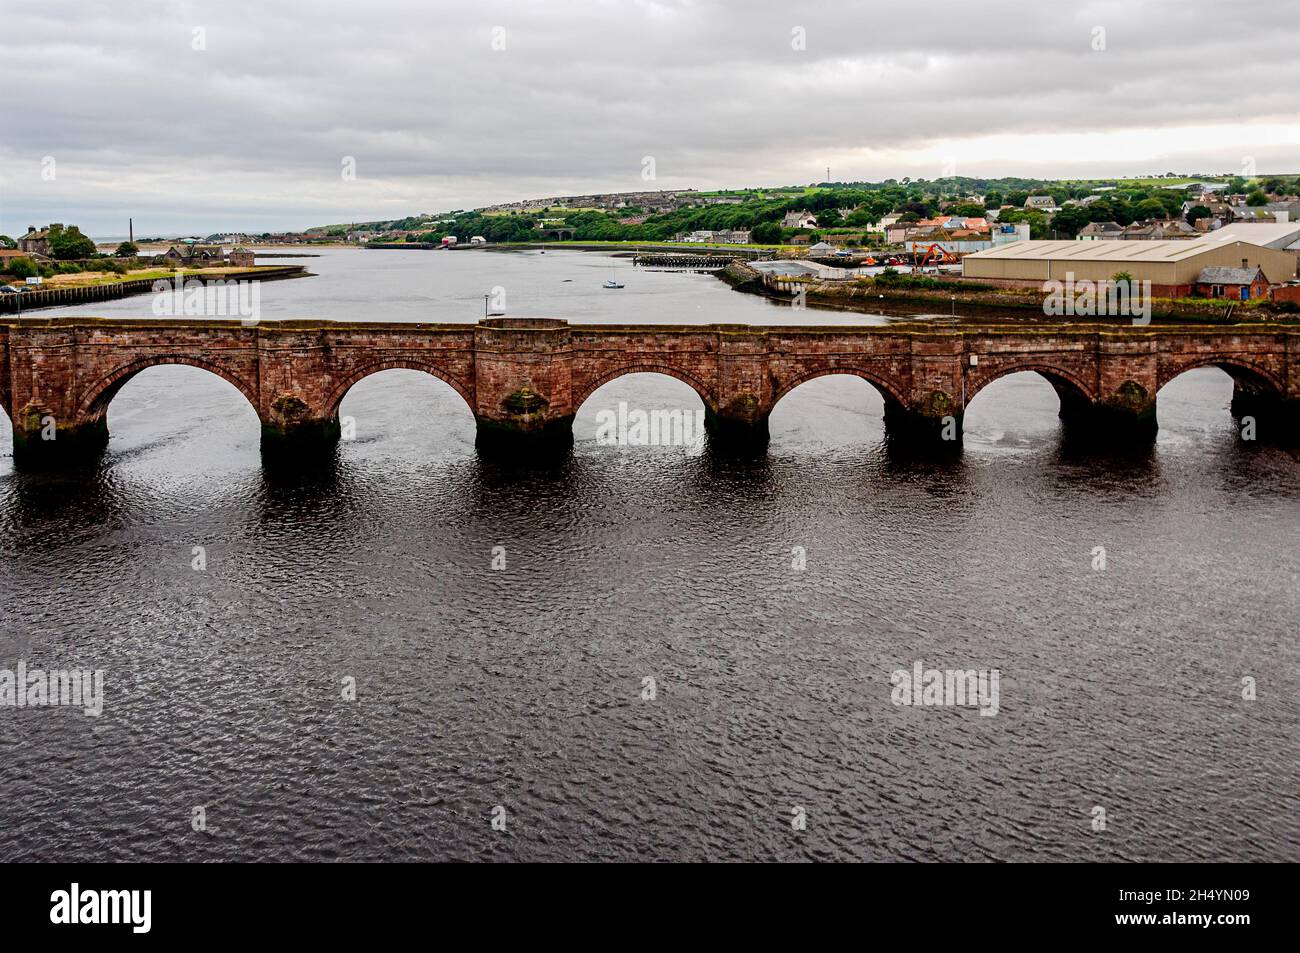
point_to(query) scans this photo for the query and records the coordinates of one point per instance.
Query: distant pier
(677, 260)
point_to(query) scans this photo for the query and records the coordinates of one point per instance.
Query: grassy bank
(88, 279)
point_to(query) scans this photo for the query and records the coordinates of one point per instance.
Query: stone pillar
(523, 384)
(932, 414)
(934, 421)
(291, 431)
(42, 441)
(1128, 377)
(744, 391)
(1128, 417)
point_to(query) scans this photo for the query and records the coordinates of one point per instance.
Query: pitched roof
(1223, 275)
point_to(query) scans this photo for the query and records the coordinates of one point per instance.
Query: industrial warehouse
(1206, 267)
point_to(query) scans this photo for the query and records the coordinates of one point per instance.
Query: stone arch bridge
(525, 378)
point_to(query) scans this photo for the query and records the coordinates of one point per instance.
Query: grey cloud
(251, 131)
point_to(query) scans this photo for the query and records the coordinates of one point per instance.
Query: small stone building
(1237, 284)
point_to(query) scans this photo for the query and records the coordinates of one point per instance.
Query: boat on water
(611, 283)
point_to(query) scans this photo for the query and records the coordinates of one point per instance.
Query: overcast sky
(241, 115)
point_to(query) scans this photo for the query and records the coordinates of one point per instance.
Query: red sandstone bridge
(525, 378)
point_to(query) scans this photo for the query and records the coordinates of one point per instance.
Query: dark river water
(524, 692)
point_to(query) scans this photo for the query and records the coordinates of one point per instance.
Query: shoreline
(868, 296)
(62, 296)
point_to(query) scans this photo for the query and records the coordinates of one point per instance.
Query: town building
(1043, 203)
(1282, 235)
(1100, 232)
(1285, 211)
(193, 254)
(1004, 233)
(1173, 267)
(37, 241)
(801, 219)
(719, 236)
(1157, 230)
(1238, 284)
(1261, 214)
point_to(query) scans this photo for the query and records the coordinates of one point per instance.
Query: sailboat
(613, 282)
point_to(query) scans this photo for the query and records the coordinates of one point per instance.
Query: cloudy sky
(243, 114)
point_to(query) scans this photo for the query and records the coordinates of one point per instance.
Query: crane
(934, 252)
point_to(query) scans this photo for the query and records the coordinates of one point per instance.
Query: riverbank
(945, 296)
(613, 248)
(101, 288)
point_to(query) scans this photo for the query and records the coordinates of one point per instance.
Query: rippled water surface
(523, 687)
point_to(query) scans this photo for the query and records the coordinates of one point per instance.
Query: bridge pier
(1125, 418)
(303, 440)
(291, 432)
(512, 437)
(741, 425)
(737, 432)
(921, 428)
(1276, 418)
(41, 442)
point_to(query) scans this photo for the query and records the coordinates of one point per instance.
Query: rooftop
(1257, 233)
(1221, 275)
(1173, 250)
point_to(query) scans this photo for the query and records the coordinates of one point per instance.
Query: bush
(23, 268)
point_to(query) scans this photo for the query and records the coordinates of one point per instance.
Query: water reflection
(521, 685)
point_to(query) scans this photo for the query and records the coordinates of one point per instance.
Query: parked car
(10, 290)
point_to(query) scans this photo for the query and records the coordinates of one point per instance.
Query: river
(647, 674)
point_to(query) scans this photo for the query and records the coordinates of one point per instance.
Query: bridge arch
(890, 390)
(96, 398)
(1069, 387)
(580, 398)
(340, 391)
(1248, 375)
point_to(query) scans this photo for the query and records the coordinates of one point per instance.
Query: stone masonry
(525, 378)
